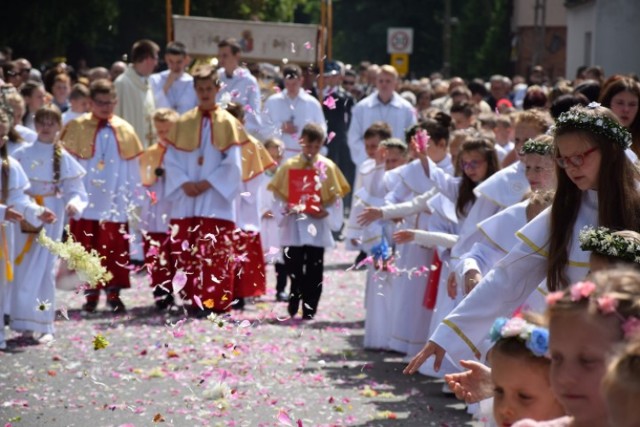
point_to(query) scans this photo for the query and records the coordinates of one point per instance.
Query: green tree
(482, 38)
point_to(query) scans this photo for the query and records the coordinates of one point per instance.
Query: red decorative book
(304, 197)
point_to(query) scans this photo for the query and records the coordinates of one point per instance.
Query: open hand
(369, 215)
(472, 385)
(430, 349)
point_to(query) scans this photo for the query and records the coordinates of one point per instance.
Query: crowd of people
(497, 220)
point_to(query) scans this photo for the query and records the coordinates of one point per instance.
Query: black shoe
(90, 306)
(116, 305)
(164, 303)
(294, 304)
(307, 316)
(238, 304)
(361, 257)
(282, 297)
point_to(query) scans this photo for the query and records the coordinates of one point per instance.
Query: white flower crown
(535, 147)
(601, 125)
(604, 242)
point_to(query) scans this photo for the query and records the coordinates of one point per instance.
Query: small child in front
(309, 188)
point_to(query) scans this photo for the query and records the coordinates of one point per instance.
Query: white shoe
(45, 338)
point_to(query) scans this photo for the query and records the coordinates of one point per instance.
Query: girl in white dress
(56, 185)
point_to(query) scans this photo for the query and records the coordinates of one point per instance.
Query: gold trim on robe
(255, 159)
(150, 161)
(463, 337)
(333, 187)
(79, 137)
(225, 130)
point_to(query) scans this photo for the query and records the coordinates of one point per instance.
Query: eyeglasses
(473, 164)
(576, 161)
(348, 83)
(25, 71)
(104, 103)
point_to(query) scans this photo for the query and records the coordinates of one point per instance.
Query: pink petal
(198, 302)
(284, 418)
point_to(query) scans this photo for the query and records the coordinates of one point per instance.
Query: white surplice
(223, 170)
(242, 88)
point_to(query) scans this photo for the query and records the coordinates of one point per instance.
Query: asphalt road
(252, 368)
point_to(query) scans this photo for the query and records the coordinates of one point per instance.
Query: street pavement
(250, 368)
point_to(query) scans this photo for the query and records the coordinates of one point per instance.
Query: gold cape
(226, 130)
(150, 160)
(79, 137)
(333, 187)
(255, 159)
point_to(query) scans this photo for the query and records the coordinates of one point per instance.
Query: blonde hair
(624, 372)
(538, 201)
(622, 284)
(388, 69)
(166, 115)
(537, 118)
(274, 142)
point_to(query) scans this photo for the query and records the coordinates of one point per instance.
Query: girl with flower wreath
(519, 346)
(597, 185)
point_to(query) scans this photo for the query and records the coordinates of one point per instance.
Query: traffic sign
(400, 61)
(400, 40)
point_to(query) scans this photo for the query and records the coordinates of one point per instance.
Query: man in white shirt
(238, 85)
(383, 105)
(173, 88)
(136, 104)
(287, 112)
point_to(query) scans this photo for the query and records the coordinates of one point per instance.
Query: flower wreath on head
(602, 125)
(535, 338)
(606, 304)
(535, 147)
(604, 241)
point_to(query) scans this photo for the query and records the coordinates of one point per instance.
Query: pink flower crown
(606, 304)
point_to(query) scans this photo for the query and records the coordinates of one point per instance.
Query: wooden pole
(169, 22)
(187, 7)
(329, 30)
(320, 51)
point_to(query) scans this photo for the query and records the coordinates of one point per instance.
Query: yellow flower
(100, 342)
